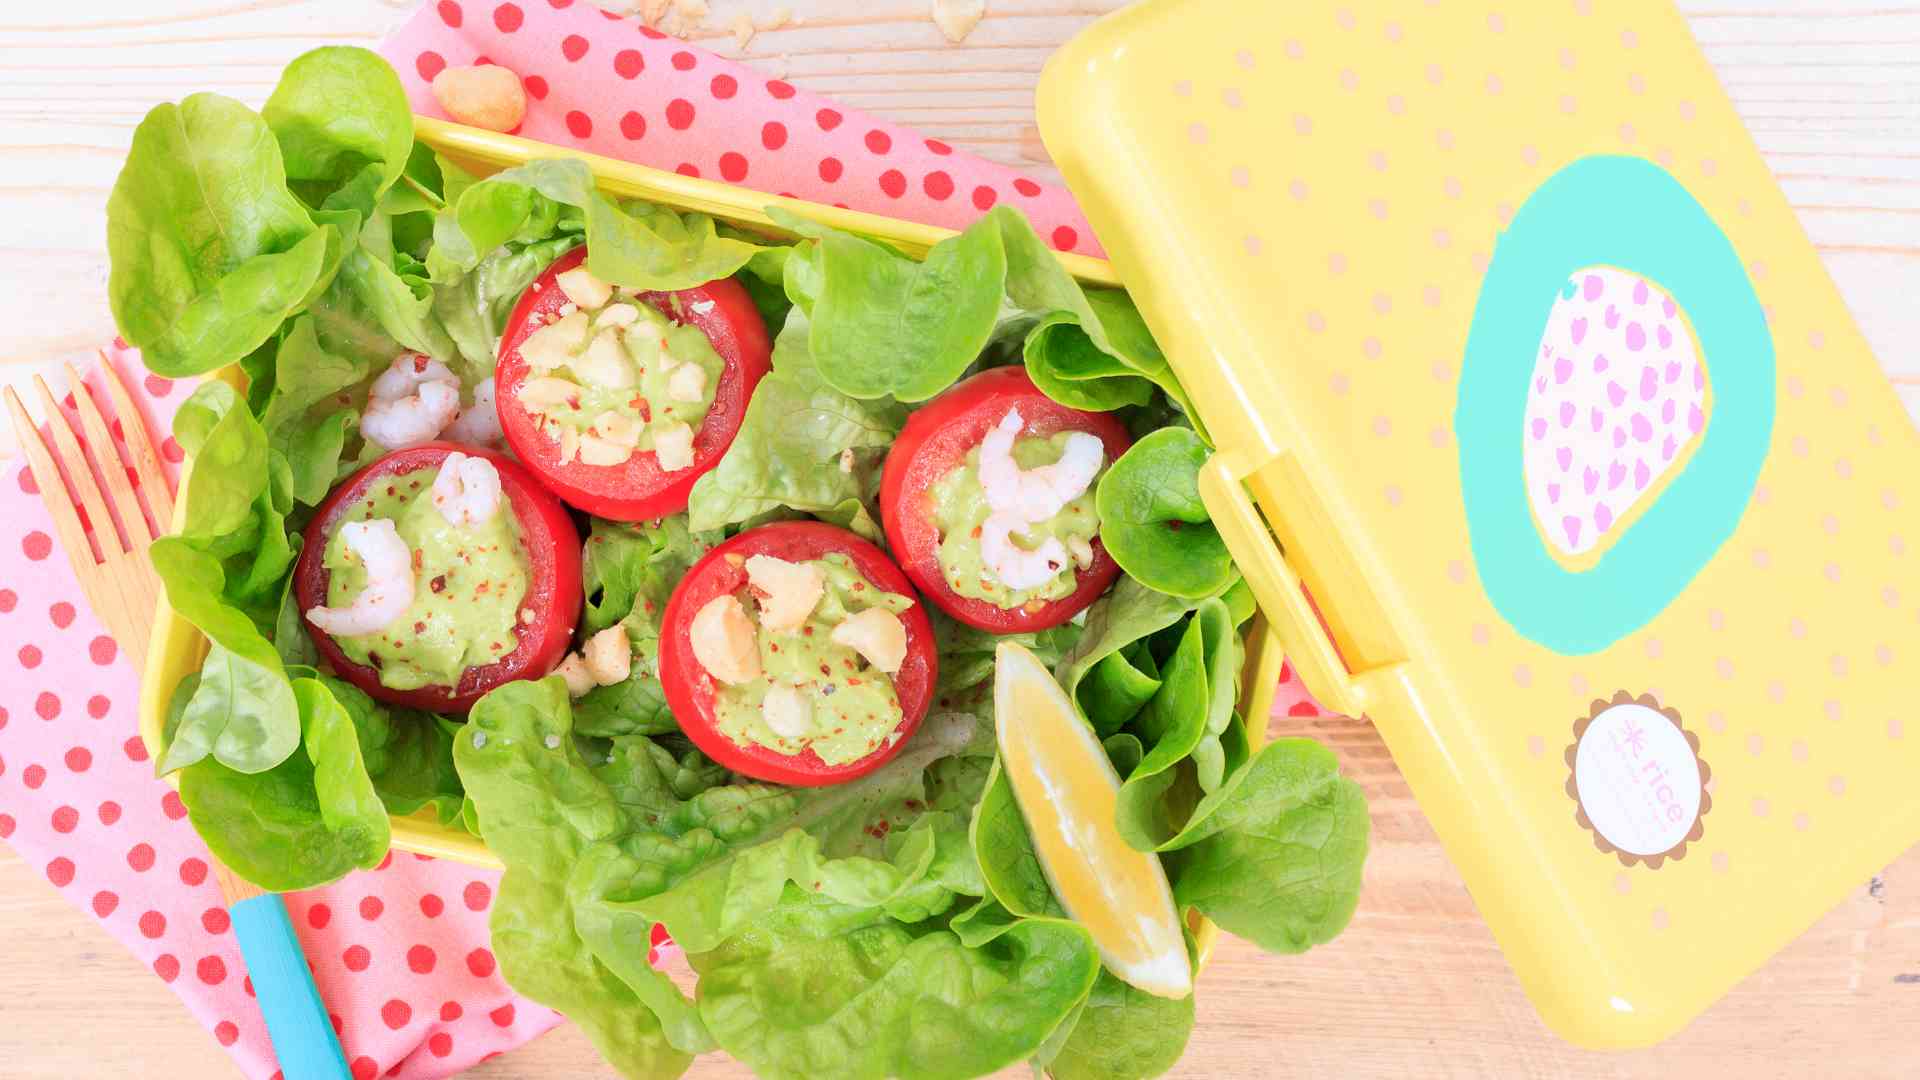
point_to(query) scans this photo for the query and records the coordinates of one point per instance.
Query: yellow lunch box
(1521, 367)
(179, 648)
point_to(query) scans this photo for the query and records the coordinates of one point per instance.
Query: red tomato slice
(689, 689)
(935, 441)
(553, 579)
(636, 489)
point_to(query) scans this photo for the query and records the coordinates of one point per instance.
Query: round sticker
(1637, 776)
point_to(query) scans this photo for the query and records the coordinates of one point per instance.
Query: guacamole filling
(468, 585)
(610, 377)
(837, 702)
(961, 510)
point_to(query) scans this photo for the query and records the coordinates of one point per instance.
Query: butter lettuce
(889, 326)
(308, 820)
(629, 572)
(803, 446)
(1153, 522)
(210, 251)
(640, 246)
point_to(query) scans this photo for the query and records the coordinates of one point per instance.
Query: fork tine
(119, 488)
(146, 460)
(80, 473)
(73, 538)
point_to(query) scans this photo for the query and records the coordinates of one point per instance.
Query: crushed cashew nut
(673, 445)
(574, 670)
(878, 635)
(724, 641)
(483, 96)
(790, 591)
(609, 656)
(584, 289)
(787, 712)
(957, 18)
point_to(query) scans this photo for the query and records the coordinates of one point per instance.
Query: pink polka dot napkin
(613, 86)
(400, 953)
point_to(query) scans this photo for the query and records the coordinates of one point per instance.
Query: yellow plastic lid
(1518, 359)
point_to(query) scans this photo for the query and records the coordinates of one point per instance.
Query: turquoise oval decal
(1616, 404)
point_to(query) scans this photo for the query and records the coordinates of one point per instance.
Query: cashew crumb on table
(957, 18)
(486, 96)
(743, 30)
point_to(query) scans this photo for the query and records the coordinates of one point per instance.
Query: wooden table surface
(1831, 90)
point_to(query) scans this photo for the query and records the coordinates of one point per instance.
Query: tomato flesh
(636, 489)
(690, 689)
(553, 580)
(936, 441)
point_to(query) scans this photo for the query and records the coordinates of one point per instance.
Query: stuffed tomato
(619, 400)
(987, 500)
(438, 573)
(797, 653)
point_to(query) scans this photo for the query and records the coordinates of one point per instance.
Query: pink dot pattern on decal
(1617, 401)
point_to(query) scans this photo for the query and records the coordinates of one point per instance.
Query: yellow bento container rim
(179, 649)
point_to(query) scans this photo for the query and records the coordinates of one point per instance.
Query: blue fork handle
(297, 1022)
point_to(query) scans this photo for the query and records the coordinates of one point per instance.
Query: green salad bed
(894, 924)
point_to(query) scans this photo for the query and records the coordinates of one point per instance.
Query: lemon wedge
(1068, 791)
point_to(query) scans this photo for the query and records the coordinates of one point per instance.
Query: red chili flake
(419, 627)
(420, 362)
(859, 585)
(825, 670)
(419, 558)
(438, 584)
(495, 646)
(481, 589)
(1175, 525)
(390, 489)
(806, 631)
(854, 682)
(975, 534)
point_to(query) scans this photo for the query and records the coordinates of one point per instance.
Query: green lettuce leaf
(886, 325)
(1275, 854)
(1128, 613)
(1119, 684)
(1122, 1033)
(472, 308)
(1006, 853)
(237, 714)
(408, 754)
(343, 124)
(628, 573)
(794, 448)
(1153, 522)
(210, 252)
(305, 822)
(641, 246)
(824, 989)
(540, 807)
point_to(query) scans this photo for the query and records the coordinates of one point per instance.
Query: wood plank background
(1831, 90)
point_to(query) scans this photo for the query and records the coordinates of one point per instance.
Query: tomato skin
(636, 489)
(553, 580)
(935, 441)
(689, 689)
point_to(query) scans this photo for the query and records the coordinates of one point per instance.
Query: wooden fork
(122, 588)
